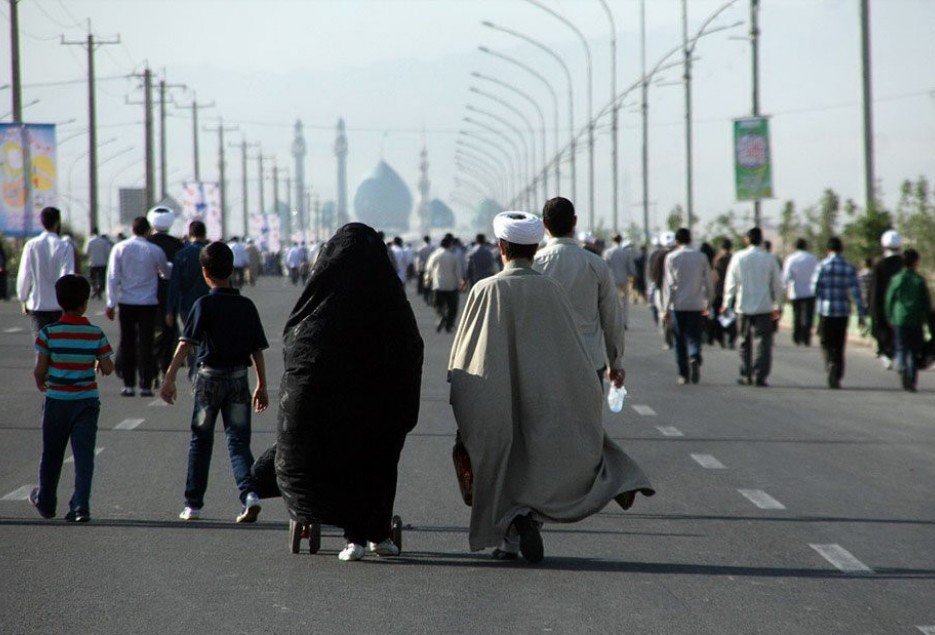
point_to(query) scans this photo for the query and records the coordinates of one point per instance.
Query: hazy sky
(393, 68)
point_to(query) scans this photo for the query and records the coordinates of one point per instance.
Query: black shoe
(762, 383)
(146, 392)
(77, 517)
(744, 381)
(530, 540)
(695, 366)
(626, 499)
(500, 554)
(128, 391)
(34, 499)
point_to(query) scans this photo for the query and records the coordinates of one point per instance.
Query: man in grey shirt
(687, 291)
(98, 251)
(621, 258)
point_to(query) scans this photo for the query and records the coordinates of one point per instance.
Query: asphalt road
(782, 510)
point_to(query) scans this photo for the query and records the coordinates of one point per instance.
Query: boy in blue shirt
(69, 352)
(226, 328)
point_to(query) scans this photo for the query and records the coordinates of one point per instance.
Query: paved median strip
(709, 462)
(761, 499)
(646, 411)
(71, 459)
(128, 424)
(842, 559)
(670, 431)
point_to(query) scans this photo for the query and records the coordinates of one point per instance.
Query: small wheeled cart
(299, 531)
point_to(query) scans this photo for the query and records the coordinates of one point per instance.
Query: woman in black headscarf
(349, 393)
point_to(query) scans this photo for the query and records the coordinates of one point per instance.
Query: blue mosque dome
(484, 213)
(383, 200)
(441, 214)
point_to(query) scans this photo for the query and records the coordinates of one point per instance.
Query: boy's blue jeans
(65, 420)
(225, 392)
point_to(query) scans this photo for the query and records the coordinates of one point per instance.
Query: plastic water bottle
(616, 397)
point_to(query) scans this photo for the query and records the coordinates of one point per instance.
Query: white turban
(161, 218)
(519, 228)
(891, 239)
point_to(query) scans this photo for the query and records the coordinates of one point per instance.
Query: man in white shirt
(754, 289)
(133, 272)
(797, 274)
(422, 257)
(45, 259)
(404, 258)
(295, 258)
(241, 260)
(621, 258)
(687, 291)
(97, 250)
(590, 287)
(445, 273)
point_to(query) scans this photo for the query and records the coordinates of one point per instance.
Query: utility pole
(644, 108)
(163, 178)
(195, 106)
(18, 118)
(261, 178)
(91, 44)
(869, 178)
(222, 173)
(243, 145)
(149, 196)
(755, 44)
(276, 198)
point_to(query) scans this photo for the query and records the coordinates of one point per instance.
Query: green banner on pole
(752, 169)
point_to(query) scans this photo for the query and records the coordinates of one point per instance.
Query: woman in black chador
(349, 393)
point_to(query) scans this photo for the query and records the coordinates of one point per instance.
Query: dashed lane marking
(157, 403)
(842, 559)
(20, 494)
(708, 461)
(928, 630)
(670, 431)
(646, 411)
(128, 424)
(15, 329)
(761, 499)
(71, 459)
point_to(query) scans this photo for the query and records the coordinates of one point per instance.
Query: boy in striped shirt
(69, 353)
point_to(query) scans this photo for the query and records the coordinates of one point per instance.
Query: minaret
(340, 151)
(423, 211)
(298, 153)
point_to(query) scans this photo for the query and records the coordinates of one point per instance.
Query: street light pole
(504, 169)
(509, 158)
(644, 109)
(755, 46)
(614, 115)
(522, 154)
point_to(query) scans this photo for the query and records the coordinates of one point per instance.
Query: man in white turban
(528, 405)
(883, 271)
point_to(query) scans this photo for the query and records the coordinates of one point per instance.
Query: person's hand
(170, 320)
(617, 376)
(110, 312)
(167, 391)
(260, 399)
(42, 384)
(774, 315)
(25, 310)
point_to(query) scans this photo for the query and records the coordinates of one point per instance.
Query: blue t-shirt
(226, 327)
(73, 346)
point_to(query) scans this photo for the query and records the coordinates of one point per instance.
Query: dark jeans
(43, 318)
(97, 281)
(446, 306)
(65, 420)
(137, 324)
(909, 343)
(833, 332)
(225, 392)
(803, 315)
(756, 354)
(165, 339)
(686, 329)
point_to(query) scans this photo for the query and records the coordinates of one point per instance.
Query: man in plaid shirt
(835, 284)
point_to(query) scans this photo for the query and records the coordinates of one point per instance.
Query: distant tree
(862, 234)
(915, 219)
(676, 218)
(723, 226)
(788, 226)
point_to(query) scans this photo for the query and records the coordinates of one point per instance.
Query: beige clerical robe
(528, 406)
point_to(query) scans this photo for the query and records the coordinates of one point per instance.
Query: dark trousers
(446, 306)
(4, 290)
(97, 281)
(165, 339)
(137, 324)
(43, 318)
(909, 343)
(224, 392)
(65, 420)
(756, 347)
(803, 315)
(686, 329)
(833, 338)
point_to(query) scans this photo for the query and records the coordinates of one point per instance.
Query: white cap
(519, 228)
(891, 239)
(161, 218)
(667, 239)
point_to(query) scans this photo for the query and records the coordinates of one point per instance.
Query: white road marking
(761, 499)
(71, 459)
(15, 329)
(708, 461)
(20, 494)
(128, 424)
(156, 403)
(841, 558)
(928, 630)
(670, 431)
(646, 411)
(99, 313)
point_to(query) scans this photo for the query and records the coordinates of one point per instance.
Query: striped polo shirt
(73, 345)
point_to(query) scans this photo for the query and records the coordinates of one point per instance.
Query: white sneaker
(352, 551)
(385, 548)
(190, 513)
(251, 509)
(887, 362)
